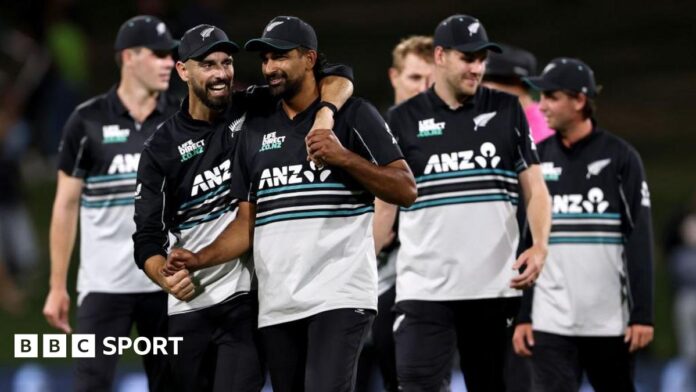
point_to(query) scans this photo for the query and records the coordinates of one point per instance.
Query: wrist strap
(332, 107)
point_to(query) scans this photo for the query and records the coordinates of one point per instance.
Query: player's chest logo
(551, 172)
(293, 175)
(271, 142)
(483, 119)
(485, 157)
(210, 179)
(113, 133)
(429, 128)
(596, 167)
(124, 163)
(593, 202)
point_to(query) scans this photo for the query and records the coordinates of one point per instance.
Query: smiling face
(561, 110)
(462, 72)
(151, 69)
(286, 71)
(210, 79)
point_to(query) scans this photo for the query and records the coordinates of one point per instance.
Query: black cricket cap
(565, 73)
(198, 41)
(463, 33)
(147, 31)
(512, 63)
(284, 33)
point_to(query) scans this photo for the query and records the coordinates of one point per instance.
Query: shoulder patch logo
(594, 168)
(645, 194)
(429, 127)
(206, 33)
(473, 28)
(482, 119)
(271, 142)
(114, 134)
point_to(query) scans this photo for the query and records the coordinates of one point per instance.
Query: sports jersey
(184, 194)
(184, 200)
(101, 144)
(313, 244)
(599, 265)
(458, 240)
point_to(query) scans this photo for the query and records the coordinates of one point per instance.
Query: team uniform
(313, 245)
(101, 144)
(184, 200)
(459, 239)
(600, 238)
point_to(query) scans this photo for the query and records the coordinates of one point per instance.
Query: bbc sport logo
(84, 345)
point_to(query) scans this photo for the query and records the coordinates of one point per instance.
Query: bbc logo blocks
(54, 345)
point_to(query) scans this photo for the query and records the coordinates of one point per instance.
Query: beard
(213, 103)
(286, 89)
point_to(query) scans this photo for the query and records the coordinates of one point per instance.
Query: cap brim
(219, 46)
(540, 84)
(261, 44)
(476, 46)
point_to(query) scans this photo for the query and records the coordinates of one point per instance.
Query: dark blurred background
(55, 54)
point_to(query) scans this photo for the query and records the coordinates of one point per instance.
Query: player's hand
(533, 260)
(57, 309)
(324, 146)
(638, 336)
(523, 339)
(323, 119)
(180, 258)
(179, 285)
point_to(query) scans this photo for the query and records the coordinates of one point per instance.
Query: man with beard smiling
(184, 193)
(310, 223)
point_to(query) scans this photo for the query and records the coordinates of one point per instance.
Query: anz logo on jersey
(293, 175)
(124, 163)
(577, 203)
(463, 160)
(210, 179)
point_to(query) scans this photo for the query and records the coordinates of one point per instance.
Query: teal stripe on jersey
(328, 185)
(466, 173)
(587, 215)
(585, 240)
(113, 177)
(207, 218)
(461, 200)
(204, 197)
(315, 214)
(108, 203)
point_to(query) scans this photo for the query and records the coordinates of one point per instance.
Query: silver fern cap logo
(473, 28)
(161, 28)
(206, 33)
(482, 119)
(549, 68)
(272, 25)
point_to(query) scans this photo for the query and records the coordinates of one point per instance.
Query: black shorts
(108, 314)
(559, 362)
(428, 332)
(219, 348)
(318, 353)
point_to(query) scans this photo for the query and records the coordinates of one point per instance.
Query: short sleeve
(340, 70)
(73, 159)
(241, 182)
(525, 149)
(372, 137)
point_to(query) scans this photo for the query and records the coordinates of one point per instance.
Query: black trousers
(107, 314)
(317, 354)
(428, 332)
(559, 362)
(219, 348)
